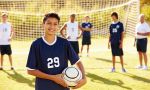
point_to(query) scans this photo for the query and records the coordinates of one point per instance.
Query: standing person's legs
(145, 58)
(140, 58)
(121, 61)
(113, 61)
(1, 67)
(82, 48)
(10, 60)
(88, 47)
(2, 49)
(9, 52)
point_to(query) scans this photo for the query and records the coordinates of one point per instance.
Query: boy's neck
(50, 38)
(4, 21)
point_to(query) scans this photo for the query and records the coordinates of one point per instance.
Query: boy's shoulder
(60, 39)
(37, 41)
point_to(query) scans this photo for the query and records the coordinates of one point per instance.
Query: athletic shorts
(75, 46)
(86, 40)
(141, 45)
(5, 49)
(116, 51)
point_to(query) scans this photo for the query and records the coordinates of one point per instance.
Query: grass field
(97, 69)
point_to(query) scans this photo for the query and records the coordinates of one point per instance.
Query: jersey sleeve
(121, 27)
(71, 54)
(32, 61)
(91, 25)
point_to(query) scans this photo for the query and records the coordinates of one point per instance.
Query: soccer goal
(26, 15)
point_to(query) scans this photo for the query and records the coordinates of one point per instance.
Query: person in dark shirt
(86, 35)
(49, 56)
(116, 40)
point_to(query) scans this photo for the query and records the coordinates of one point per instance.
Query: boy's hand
(59, 80)
(78, 37)
(108, 45)
(9, 39)
(121, 45)
(80, 83)
(68, 37)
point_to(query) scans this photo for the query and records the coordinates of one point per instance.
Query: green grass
(97, 69)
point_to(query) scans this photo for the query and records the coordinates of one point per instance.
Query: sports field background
(97, 68)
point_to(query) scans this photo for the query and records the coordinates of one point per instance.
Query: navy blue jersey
(116, 30)
(50, 59)
(86, 25)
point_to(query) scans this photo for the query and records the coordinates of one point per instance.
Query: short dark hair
(72, 15)
(51, 15)
(115, 14)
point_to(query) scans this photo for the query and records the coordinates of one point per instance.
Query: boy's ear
(42, 25)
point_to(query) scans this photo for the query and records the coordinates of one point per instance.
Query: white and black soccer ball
(71, 76)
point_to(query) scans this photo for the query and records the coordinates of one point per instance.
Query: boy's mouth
(51, 30)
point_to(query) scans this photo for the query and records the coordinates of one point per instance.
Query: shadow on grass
(19, 78)
(135, 77)
(95, 78)
(107, 60)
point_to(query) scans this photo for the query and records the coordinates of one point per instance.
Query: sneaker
(139, 67)
(123, 70)
(145, 68)
(12, 68)
(1, 68)
(87, 54)
(113, 70)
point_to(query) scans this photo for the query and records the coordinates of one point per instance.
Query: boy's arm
(121, 42)
(12, 33)
(87, 29)
(109, 42)
(83, 81)
(81, 31)
(143, 34)
(56, 78)
(134, 42)
(62, 30)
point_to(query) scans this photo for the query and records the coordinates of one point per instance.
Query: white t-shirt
(72, 31)
(5, 31)
(141, 28)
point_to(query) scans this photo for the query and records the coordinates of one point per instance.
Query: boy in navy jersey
(86, 38)
(49, 56)
(116, 40)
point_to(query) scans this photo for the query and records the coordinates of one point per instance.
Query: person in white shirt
(72, 32)
(6, 34)
(141, 32)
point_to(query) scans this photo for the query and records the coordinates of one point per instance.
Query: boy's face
(114, 18)
(50, 26)
(87, 18)
(72, 18)
(142, 19)
(4, 18)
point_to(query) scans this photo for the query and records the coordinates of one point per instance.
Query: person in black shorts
(86, 35)
(6, 34)
(116, 40)
(142, 31)
(73, 32)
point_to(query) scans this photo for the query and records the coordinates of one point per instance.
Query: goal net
(26, 15)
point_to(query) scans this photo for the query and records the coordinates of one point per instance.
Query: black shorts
(116, 51)
(75, 46)
(5, 49)
(86, 40)
(141, 45)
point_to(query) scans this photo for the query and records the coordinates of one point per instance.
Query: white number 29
(53, 62)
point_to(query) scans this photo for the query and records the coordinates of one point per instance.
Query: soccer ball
(71, 76)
